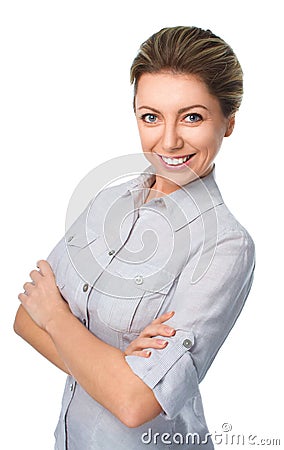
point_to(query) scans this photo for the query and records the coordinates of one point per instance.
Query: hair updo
(193, 51)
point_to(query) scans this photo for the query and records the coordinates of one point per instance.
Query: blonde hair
(194, 51)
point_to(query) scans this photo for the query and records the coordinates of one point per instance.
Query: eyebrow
(180, 111)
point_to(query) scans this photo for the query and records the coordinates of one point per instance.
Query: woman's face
(178, 118)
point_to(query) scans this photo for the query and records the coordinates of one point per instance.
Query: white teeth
(175, 161)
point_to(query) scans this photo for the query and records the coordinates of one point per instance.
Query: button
(111, 252)
(70, 238)
(84, 321)
(187, 343)
(71, 387)
(138, 279)
(85, 287)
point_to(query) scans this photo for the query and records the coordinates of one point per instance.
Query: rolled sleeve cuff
(169, 372)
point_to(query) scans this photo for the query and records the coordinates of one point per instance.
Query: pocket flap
(80, 240)
(159, 281)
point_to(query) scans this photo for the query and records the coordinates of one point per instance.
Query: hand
(146, 337)
(42, 299)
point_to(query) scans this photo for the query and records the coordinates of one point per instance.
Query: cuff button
(187, 343)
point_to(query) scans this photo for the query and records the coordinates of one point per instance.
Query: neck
(164, 186)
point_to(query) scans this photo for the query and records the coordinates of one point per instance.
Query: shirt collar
(181, 206)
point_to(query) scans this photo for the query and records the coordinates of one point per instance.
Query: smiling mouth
(176, 161)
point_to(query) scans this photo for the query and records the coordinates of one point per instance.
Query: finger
(44, 267)
(164, 317)
(143, 353)
(28, 286)
(35, 275)
(22, 297)
(141, 343)
(157, 330)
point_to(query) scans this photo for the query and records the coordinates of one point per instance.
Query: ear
(230, 125)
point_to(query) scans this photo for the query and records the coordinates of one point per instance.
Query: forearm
(102, 371)
(39, 339)
(99, 368)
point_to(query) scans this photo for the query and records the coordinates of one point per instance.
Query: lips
(176, 165)
(176, 156)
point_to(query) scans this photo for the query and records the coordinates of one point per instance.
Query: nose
(171, 138)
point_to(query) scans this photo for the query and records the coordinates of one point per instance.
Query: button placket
(72, 385)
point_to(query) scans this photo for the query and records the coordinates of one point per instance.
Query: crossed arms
(45, 321)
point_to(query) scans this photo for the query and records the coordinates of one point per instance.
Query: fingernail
(170, 330)
(147, 353)
(161, 341)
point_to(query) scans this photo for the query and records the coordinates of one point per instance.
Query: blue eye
(193, 118)
(149, 118)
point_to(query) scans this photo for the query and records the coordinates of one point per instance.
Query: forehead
(172, 90)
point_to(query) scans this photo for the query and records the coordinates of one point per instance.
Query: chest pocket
(124, 305)
(141, 305)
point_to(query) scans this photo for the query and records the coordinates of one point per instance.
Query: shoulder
(230, 227)
(112, 193)
(234, 243)
(223, 238)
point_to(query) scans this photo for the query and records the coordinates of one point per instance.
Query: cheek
(198, 137)
(204, 138)
(148, 137)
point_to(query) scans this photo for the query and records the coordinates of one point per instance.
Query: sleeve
(205, 312)
(55, 255)
(80, 223)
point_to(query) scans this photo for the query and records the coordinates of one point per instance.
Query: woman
(137, 331)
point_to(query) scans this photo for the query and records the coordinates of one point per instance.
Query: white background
(66, 106)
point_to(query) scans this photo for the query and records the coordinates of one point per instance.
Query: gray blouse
(124, 262)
